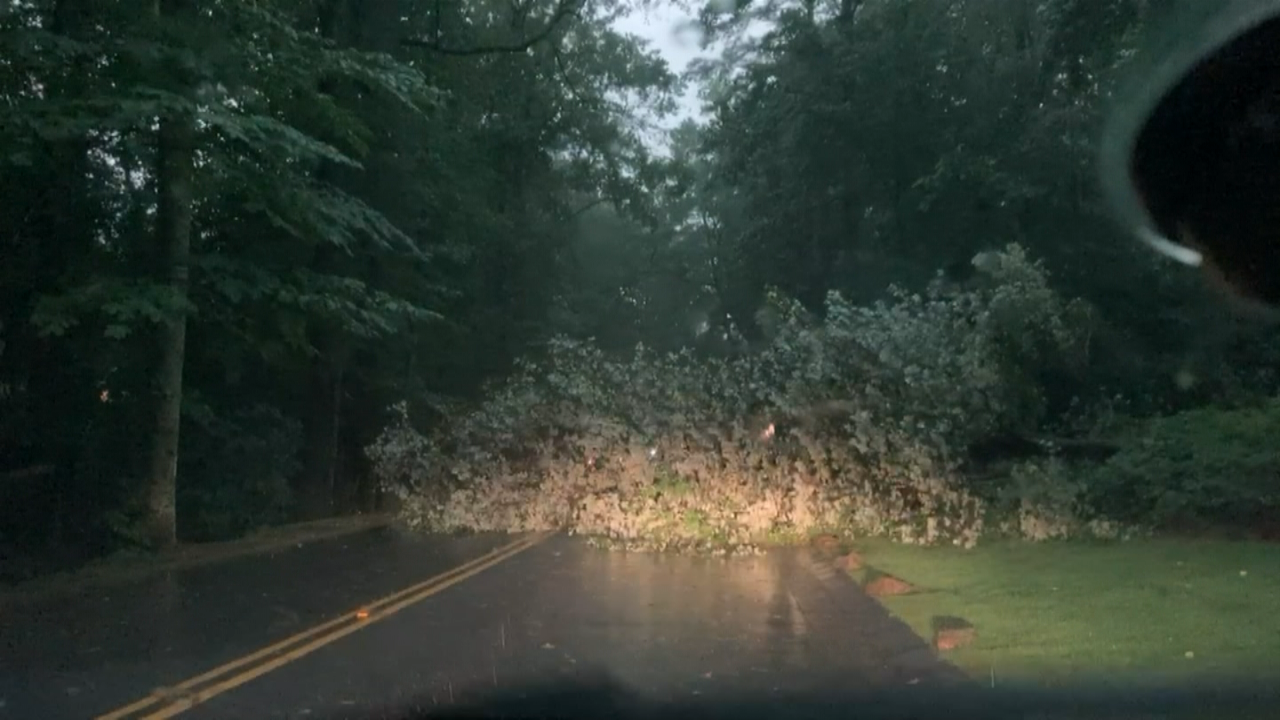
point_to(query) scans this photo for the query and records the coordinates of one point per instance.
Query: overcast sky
(662, 27)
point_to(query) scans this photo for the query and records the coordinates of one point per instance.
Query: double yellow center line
(167, 702)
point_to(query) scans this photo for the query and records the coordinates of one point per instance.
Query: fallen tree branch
(563, 10)
(1004, 448)
(28, 472)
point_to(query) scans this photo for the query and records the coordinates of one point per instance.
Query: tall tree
(175, 180)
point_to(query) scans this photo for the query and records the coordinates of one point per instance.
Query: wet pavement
(663, 627)
(80, 655)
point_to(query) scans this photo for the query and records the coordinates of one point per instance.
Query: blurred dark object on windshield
(597, 695)
(1191, 158)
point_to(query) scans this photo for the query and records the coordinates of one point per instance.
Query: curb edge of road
(108, 572)
(836, 581)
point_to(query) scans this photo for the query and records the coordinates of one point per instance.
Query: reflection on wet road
(663, 626)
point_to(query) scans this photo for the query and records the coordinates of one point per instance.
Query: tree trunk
(173, 230)
(322, 423)
(60, 392)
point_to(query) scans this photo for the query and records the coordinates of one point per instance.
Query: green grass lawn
(1065, 613)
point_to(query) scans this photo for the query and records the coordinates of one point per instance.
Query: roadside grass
(1061, 614)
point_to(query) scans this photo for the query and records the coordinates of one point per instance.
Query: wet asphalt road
(664, 627)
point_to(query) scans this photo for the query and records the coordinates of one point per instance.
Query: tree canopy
(245, 241)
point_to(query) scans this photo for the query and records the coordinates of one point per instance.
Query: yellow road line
(184, 695)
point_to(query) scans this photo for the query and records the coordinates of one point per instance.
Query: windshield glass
(362, 359)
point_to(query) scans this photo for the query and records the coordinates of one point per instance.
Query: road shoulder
(131, 568)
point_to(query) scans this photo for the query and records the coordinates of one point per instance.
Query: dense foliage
(857, 422)
(264, 262)
(235, 233)
(1202, 468)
